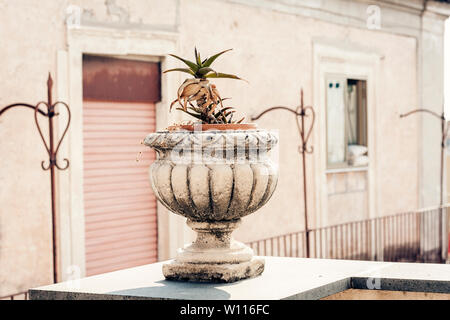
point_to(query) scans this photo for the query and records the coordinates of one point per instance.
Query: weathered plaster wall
(30, 34)
(348, 196)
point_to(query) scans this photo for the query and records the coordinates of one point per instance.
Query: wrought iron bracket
(49, 112)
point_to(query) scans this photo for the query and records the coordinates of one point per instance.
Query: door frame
(146, 45)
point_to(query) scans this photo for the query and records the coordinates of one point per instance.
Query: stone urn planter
(213, 178)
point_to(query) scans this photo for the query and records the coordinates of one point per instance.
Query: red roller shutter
(120, 207)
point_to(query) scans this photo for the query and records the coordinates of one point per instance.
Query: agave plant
(208, 103)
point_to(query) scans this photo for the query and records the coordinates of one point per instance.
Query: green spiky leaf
(198, 110)
(193, 66)
(197, 57)
(210, 60)
(229, 112)
(222, 111)
(203, 71)
(223, 75)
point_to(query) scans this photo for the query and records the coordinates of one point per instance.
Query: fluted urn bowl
(213, 178)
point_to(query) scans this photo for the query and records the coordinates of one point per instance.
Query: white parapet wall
(283, 278)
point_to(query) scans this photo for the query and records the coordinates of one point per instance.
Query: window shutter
(336, 137)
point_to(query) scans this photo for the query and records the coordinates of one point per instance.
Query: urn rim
(250, 139)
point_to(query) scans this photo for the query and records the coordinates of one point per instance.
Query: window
(346, 101)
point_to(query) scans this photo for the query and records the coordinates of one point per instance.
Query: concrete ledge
(283, 278)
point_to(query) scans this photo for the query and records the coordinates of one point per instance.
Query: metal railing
(407, 237)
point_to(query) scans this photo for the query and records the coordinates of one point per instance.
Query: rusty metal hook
(62, 168)
(21, 105)
(52, 154)
(46, 168)
(63, 135)
(301, 114)
(306, 149)
(36, 108)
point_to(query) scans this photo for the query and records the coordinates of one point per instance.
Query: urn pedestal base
(208, 272)
(214, 256)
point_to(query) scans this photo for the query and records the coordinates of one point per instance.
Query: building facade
(360, 63)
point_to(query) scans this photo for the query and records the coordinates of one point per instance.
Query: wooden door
(119, 99)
